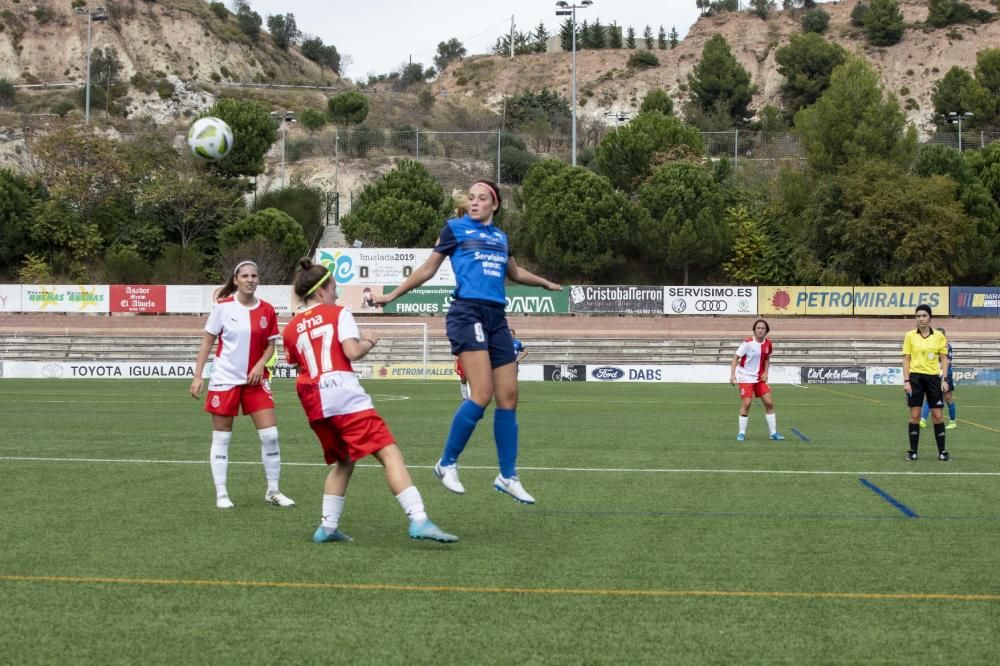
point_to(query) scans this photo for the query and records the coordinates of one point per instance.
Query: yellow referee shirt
(925, 353)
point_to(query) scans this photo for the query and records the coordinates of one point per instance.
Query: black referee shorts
(925, 386)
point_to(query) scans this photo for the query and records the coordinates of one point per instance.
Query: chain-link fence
(353, 158)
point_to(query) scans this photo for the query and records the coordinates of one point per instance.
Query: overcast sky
(381, 35)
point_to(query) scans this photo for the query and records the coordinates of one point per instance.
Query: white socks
(772, 422)
(270, 456)
(412, 504)
(743, 423)
(465, 391)
(333, 506)
(218, 457)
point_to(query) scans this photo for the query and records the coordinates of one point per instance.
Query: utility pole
(511, 36)
(95, 14)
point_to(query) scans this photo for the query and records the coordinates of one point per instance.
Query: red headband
(496, 198)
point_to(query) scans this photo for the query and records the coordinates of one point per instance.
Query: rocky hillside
(605, 84)
(45, 41)
(183, 41)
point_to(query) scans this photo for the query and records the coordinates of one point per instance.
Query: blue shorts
(477, 325)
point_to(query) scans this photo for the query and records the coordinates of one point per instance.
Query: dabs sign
(138, 298)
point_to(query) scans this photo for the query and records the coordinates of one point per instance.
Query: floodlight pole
(284, 131)
(957, 118)
(90, 20)
(86, 112)
(565, 5)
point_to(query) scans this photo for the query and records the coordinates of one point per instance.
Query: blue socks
(505, 433)
(462, 425)
(927, 410)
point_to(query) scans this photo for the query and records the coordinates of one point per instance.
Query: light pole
(95, 14)
(283, 118)
(565, 9)
(953, 118)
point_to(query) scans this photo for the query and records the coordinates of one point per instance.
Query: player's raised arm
(526, 277)
(420, 275)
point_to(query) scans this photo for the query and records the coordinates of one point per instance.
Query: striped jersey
(326, 384)
(243, 333)
(754, 357)
(478, 255)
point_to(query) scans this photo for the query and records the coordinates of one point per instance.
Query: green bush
(312, 119)
(348, 107)
(815, 20)
(642, 59)
(8, 93)
(302, 203)
(859, 15)
(219, 9)
(514, 164)
(165, 89)
(657, 100)
(508, 139)
(43, 14)
(142, 84)
(62, 108)
(123, 265)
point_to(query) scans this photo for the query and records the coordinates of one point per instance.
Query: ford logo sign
(607, 374)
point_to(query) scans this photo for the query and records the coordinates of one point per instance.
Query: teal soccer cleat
(742, 437)
(777, 437)
(322, 536)
(430, 531)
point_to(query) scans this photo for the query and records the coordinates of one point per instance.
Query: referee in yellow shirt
(925, 362)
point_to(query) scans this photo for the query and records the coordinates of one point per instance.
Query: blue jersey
(479, 255)
(950, 376)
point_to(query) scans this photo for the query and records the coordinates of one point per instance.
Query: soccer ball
(210, 139)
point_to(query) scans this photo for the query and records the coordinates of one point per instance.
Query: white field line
(587, 470)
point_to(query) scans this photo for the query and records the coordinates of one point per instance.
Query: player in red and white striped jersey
(246, 328)
(321, 341)
(749, 372)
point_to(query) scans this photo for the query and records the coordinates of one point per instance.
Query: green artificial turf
(657, 538)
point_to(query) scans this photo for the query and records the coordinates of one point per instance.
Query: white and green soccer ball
(210, 138)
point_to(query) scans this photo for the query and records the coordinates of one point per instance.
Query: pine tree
(674, 37)
(661, 39)
(647, 36)
(597, 38)
(614, 36)
(541, 38)
(630, 38)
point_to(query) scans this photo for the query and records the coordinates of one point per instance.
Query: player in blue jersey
(477, 327)
(949, 395)
(519, 351)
